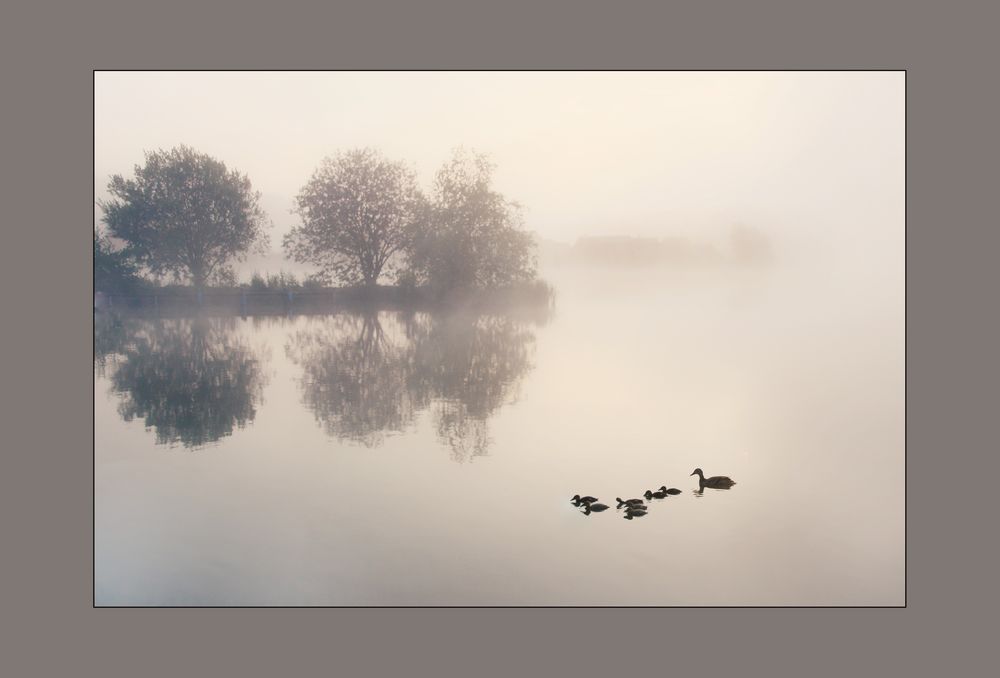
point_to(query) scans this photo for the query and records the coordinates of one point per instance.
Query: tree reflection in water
(191, 380)
(367, 375)
(469, 366)
(354, 377)
(364, 375)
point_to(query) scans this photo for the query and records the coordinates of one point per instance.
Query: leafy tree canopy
(472, 236)
(186, 215)
(357, 212)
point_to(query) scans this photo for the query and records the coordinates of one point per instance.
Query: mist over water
(422, 460)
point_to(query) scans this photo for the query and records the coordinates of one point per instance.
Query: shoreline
(537, 297)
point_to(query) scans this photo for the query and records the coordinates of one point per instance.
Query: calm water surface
(411, 459)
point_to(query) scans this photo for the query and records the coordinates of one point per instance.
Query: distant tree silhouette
(114, 271)
(471, 236)
(750, 246)
(185, 214)
(357, 211)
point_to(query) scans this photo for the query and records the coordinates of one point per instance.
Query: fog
(390, 455)
(807, 157)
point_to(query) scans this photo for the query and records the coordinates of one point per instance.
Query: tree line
(364, 221)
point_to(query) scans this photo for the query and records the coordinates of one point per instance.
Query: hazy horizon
(802, 156)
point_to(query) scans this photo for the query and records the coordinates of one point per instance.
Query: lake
(428, 459)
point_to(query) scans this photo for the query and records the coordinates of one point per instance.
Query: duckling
(596, 508)
(720, 482)
(659, 494)
(577, 499)
(629, 502)
(672, 490)
(630, 514)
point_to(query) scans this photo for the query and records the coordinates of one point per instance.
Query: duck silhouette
(672, 490)
(659, 494)
(577, 499)
(629, 502)
(718, 482)
(595, 508)
(634, 513)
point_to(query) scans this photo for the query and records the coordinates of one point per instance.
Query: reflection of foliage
(110, 336)
(467, 436)
(472, 365)
(190, 380)
(364, 376)
(470, 360)
(354, 379)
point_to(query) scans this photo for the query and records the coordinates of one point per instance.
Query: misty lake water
(416, 459)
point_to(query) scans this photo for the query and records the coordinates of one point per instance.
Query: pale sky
(656, 154)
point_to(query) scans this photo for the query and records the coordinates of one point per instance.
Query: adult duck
(718, 482)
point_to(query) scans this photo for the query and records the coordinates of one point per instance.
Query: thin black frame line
(906, 536)
(886, 69)
(93, 375)
(906, 273)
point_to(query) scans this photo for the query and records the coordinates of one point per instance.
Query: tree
(186, 214)
(357, 212)
(472, 236)
(113, 270)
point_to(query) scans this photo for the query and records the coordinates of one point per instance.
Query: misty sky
(806, 154)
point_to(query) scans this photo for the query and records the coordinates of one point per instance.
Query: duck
(659, 494)
(672, 490)
(630, 514)
(596, 508)
(629, 502)
(720, 482)
(577, 499)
